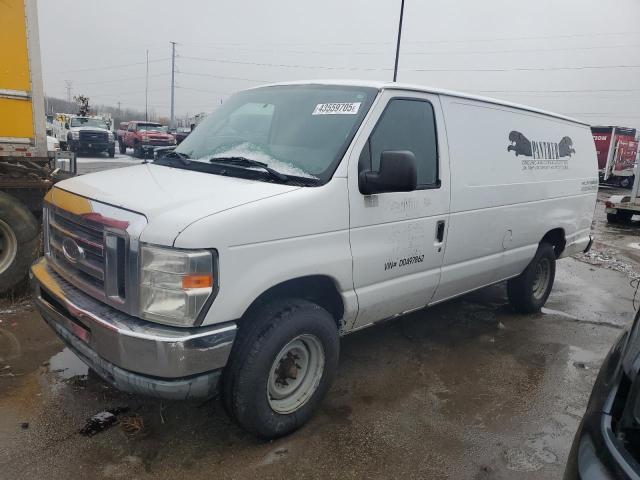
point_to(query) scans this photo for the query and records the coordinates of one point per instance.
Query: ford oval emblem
(71, 250)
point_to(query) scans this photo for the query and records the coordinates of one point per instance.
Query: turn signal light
(197, 281)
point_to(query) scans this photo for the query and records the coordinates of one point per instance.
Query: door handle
(440, 231)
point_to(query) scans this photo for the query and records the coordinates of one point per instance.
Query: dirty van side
(298, 213)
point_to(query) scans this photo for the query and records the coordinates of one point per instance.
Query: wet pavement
(465, 390)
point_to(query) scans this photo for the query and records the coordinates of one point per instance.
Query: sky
(576, 57)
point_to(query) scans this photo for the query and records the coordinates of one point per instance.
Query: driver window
(406, 124)
(132, 127)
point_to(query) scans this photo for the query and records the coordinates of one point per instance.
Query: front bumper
(95, 146)
(131, 354)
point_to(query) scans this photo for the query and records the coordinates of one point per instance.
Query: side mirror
(66, 125)
(398, 173)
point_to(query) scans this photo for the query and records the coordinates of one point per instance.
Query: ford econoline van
(297, 213)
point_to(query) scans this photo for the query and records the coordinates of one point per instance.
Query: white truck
(297, 213)
(84, 134)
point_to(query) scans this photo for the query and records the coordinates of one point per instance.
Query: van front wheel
(529, 291)
(281, 366)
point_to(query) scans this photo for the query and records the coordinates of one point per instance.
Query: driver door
(398, 238)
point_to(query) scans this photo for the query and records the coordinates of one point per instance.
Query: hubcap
(295, 374)
(8, 246)
(543, 276)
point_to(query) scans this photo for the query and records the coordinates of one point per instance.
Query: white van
(299, 212)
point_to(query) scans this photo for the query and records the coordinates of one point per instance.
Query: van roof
(379, 85)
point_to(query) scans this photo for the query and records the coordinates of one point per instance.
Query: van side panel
(515, 175)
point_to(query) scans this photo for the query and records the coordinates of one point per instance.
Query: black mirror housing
(398, 173)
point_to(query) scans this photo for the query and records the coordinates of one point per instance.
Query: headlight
(174, 284)
(75, 134)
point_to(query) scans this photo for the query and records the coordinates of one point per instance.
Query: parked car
(181, 133)
(144, 137)
(297, 213)
(120, 134)
(607, 443)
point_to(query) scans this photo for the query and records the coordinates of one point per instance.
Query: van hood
(170, 198)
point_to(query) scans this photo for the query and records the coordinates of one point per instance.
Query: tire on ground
(122, 147)
(529, 291)
(264, 333)
(621, 216)
(18, 227)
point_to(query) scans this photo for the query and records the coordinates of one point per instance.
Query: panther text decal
(544, 155)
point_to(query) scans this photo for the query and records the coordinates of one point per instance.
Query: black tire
(112, 152)
(526, 292)
(122, 147)
(137, 151)
(18, 227)
(263, 334)
(627, 182)
(621, 217)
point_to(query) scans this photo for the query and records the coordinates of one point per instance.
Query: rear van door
(398, 238)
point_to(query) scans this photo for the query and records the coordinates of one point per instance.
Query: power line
(222, 77)
(91, 69)
(441, 52)
(284, 65)
(202, 90)
(562, 91)
(124, 79)
(432, 41)
(521, 69)
(521, 50)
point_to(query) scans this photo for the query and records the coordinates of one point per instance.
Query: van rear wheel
(529, 291)
(281, 366)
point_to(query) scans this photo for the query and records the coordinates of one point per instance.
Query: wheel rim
(543, 276)
(8, 246)
(295, 374)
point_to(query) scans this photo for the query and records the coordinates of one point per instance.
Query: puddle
(66, 364)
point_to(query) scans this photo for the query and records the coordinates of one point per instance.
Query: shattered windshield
(298, 130)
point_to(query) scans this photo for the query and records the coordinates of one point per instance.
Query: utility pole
(173, 81)
(68, 84)
(395, 68)
(146, 92)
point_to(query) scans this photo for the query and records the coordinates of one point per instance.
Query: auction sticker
(337, 108)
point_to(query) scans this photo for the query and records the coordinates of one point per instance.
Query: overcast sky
(557, 55)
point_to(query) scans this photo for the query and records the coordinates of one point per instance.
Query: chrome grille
(90, 136)
(89, 236)
(108, 237)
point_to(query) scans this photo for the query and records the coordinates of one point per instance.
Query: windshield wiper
(184, 158)
(247, 162)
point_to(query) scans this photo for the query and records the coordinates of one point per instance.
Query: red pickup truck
(144, 137)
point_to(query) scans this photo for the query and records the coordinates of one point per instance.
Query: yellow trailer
(22, 117)
(26, 171)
